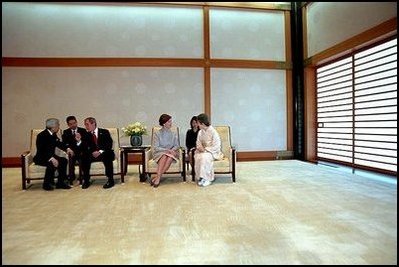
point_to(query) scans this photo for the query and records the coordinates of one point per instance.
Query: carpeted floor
(278, 212)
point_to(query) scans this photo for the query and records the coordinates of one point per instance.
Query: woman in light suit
(166, 145)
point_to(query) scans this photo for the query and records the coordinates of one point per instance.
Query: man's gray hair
(52, 122)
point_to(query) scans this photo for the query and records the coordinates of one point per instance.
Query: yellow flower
(136, 128)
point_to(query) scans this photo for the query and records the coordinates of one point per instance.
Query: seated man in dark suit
(46, 142)
(70, 141)
(97, 146)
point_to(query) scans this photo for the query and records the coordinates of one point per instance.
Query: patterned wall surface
(114, 96)
(120, 95)
(247, 34)
(253, 103)
(87, 30)
(331, 23)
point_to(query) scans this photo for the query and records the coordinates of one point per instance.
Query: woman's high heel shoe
(156, 185)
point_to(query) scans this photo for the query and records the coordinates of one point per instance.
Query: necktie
(73, 132)
(94, 138)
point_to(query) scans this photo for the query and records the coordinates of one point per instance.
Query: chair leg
(80, 173)
(193, 167)
(23, 173)
(183, 164)
(184, 172)
(23, 183)
(234, 165)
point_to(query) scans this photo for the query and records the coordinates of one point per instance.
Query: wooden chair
(227, 165)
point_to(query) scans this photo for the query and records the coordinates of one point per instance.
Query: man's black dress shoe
(48, 187)
(108, 185)
(71, 180)
(85, 185)
(62, 186)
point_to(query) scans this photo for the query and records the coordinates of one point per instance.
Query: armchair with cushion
(175, 168)
(31, 171)
(97, 168)
(226, 165)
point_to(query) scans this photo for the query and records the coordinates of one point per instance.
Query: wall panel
(330, 23)
(115, 96)
(253, 103)
(243, 34)
(125, 62)
(87, 30)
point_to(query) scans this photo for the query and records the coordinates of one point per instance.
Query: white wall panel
(242, 34)
(87, 30)
(330, 23)
(253, 103)
(114, 96)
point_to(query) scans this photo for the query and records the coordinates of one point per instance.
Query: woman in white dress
(208, 149)
(166, 145)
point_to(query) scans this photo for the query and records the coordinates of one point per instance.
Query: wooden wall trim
(207, 69)
(207, 44)
(264, 155)
(288, 84)
(255, 64)
(11, 162)
(101, 62)
(250, 5)
(305, 31)
(143, 62)
(256, 155)
(15, 162)
(290, 110)
(207, 92)
(254, 5)
(310, 114)
(287, 37)
(383, 30)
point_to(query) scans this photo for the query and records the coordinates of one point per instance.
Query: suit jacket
(69, 139)
(191, 139)
(104, 141)
(46, 144)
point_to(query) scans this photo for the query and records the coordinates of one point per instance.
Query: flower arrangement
(136, 128)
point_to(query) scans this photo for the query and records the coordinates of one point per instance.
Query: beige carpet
(278, 212)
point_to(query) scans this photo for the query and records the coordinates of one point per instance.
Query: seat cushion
(97, 167)
(224, 134)
(36, 171)
(222, 165)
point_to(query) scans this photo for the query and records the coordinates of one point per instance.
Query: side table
(125, 151)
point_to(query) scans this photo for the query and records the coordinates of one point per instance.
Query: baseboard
(11, 162)
(264, 155)
(15, 162)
